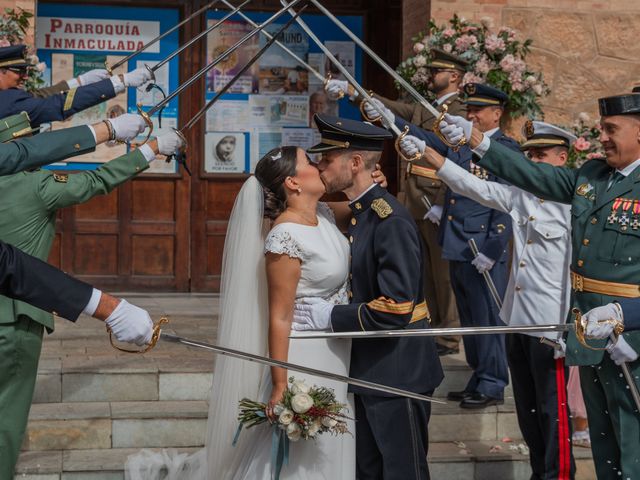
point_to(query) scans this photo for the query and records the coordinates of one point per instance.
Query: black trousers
(391, 438)
(540, 391)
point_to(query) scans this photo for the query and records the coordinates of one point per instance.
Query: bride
(264, 274)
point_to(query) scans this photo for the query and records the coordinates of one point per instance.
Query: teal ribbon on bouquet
(279, 452)
(279, 449)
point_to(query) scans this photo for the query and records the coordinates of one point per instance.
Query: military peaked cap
(542, 134)
(620, 105)
(442, 59)
(14, 56)
(342, 133)
(483, 95)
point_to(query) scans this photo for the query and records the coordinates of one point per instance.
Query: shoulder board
(381, 207)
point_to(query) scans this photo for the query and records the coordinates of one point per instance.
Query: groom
(386, 293)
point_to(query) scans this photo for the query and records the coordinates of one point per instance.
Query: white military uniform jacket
(539, 288)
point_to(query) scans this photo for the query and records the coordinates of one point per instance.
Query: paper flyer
(68, 65)
(283, 110)
(300, 137)
(262, 141)
(345, 53)
(228, 115)
(280, 72)
(220, 40)
(224, 152)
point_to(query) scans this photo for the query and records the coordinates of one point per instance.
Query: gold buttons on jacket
(594, 220)
(353, 221)
(585, 242)
(350, 294)
(452, 201)
(449, 217)
(532, 218)
(529, 242)
(358, 206)
(518, 288)
(77, 146)
(350, 238)
(580, 263)
(522, 263)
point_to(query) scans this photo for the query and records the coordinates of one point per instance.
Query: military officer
(13, 70)
(386, 293)
(462, 220)
(27, 220)
(604, 273)
(539, 282)
(424, 195)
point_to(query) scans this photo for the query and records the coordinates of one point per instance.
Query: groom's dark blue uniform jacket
(386, 291)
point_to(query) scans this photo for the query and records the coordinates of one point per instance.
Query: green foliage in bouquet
(14, 25)
(495, 58)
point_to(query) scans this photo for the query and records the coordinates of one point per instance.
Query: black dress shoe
(480, 400)
(459, 396)
(443, 350)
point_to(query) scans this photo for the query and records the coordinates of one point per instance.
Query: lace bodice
(323, 252)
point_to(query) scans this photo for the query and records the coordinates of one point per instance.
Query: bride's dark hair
(271, 171)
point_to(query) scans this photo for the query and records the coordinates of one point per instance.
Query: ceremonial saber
(297, 368)
(439, 115)
(487, 276)
(282, 46)
(121, 62)
(437, 332)
(148, 114)
(177, 52)
(399, 135)
(246, 67)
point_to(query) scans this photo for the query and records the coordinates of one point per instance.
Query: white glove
(372, 111)
(93, 76)
(137, 77)
(336, 89)
(560, 352)
(314, 314)
(130, 324)
(455, 128)
(127, 126)
(483, 263)
(169, 143)
(434, 214)
(601, 320)
(412, 146)
(621, 352)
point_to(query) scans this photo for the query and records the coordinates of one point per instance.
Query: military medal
(624, 219)
(635, 219)
(613, 216)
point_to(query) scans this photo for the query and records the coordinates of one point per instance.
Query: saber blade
(297, 368)
(437, 332)
(159, 37)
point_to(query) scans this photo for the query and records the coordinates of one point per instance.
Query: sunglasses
(18, 70)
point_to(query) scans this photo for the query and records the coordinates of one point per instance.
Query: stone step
(453, 461)
(105, 425)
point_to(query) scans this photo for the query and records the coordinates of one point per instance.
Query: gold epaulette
(381, 207)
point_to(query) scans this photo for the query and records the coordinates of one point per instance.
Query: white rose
(329, 422)
(420, 61)
(299, 387)
(314, 428)
(294, 432)
(418, 47)
(285, 417)
(301, 403)
(278, 409)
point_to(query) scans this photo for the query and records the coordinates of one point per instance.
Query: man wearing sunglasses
(424, 190)
(63, 99)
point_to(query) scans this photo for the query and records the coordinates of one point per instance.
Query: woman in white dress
(303, 255)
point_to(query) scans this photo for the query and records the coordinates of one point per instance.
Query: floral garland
(587, 146)
(13, 29)
(494, 58)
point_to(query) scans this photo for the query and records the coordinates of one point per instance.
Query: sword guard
(326, 83)
(108, 68)
(147, 120)
(404, 133)
(436, 129)
(581, 328)
(151, 72)
(364, 114)
(181, 154)
(155, 336)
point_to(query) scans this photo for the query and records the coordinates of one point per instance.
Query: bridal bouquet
(305, 412)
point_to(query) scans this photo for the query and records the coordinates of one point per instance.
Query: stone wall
(586, 49)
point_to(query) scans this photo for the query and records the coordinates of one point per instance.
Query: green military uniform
(60, 87)
(607, 250)
(27, 220)
(423, 181)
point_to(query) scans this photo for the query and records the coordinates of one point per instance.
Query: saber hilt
(487, 276)
(119, 63)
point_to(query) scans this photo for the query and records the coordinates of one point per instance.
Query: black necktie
(617, 178)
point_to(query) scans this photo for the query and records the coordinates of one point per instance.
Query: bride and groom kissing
(309, 265)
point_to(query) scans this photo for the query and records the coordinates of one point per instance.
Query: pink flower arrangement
(587, 147)
(582, 144)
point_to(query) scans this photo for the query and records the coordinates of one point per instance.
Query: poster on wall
(72, 40)
(281, 73)
(218, 41)
(345, 53)
(224, 152)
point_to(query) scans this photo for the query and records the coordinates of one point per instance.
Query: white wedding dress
(324, 255)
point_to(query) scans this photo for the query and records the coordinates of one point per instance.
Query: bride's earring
(299, 190)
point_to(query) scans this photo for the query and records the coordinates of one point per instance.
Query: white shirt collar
(444, 97)
(489, 133)
(363, 193)
(626, 171)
